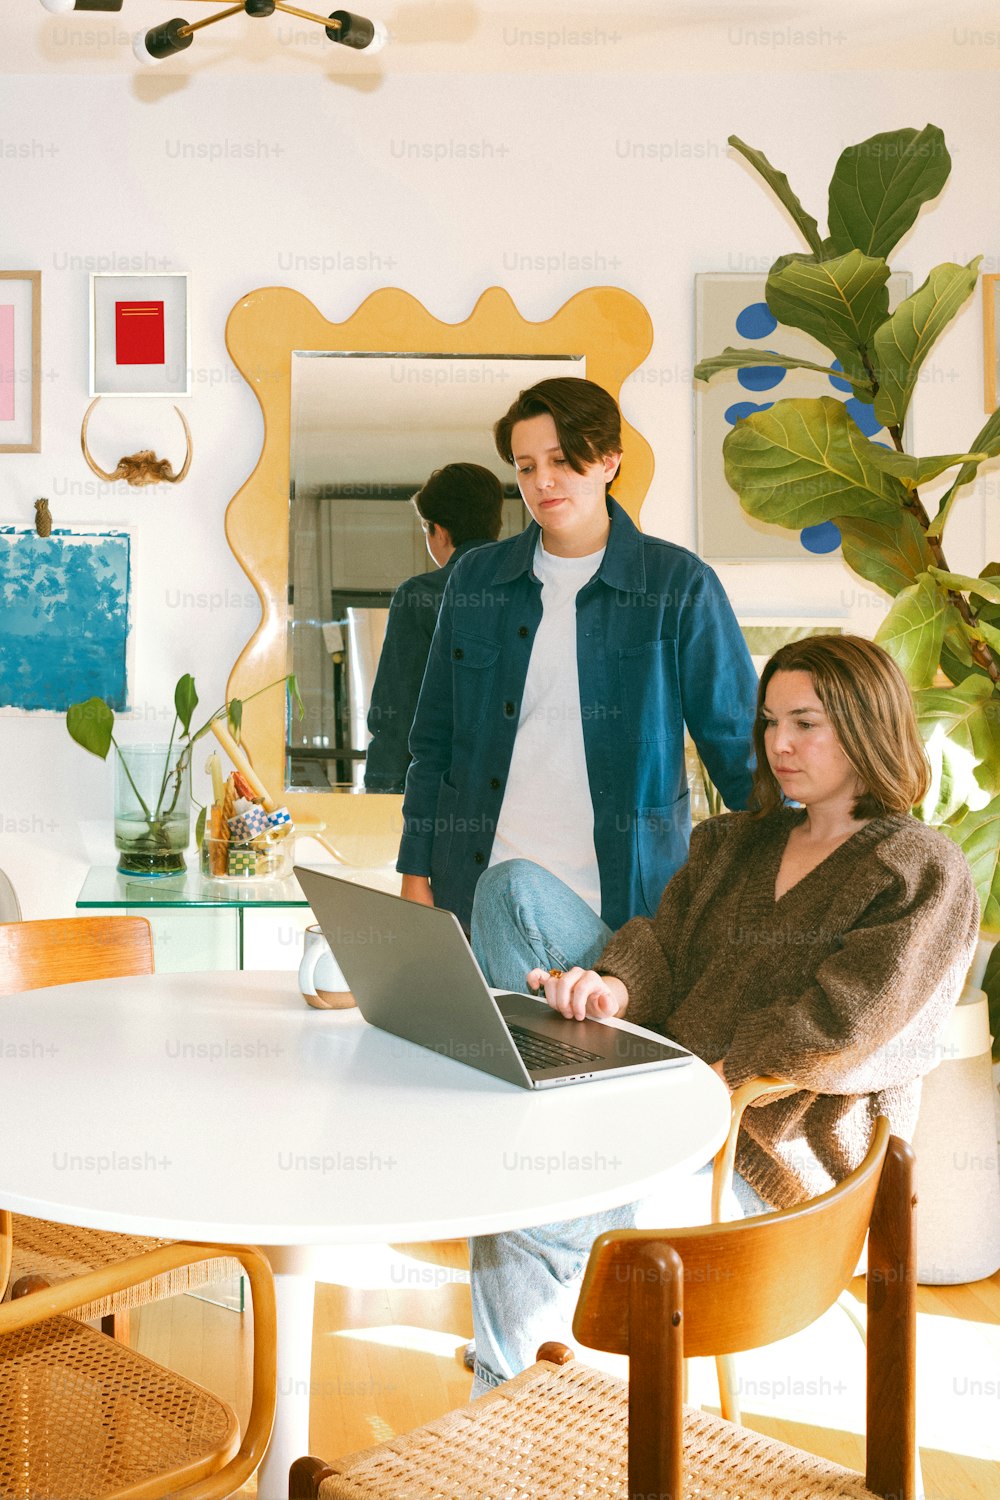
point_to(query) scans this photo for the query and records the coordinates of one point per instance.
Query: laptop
(413, 974)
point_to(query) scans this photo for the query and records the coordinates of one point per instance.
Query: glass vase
(152, 809)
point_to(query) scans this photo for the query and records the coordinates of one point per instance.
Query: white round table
(219, 1107)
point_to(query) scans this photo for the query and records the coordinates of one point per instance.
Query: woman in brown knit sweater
(824, 943)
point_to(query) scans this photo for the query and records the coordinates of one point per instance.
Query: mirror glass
(367, 429)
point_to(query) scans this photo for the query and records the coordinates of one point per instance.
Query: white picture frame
(160, 300)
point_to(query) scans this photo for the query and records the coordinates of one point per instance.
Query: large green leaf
(91, 724)
(991, 984)
(987, 441)
(977, 834)
(737, 359)
(879, 186)
(780, 185)
(956, 656)
(805, 461)
(962, 583)
(840, 302)
(960, 727)
(889, 553)
(913, 471)
(913, 630)
(990, 634)
(904, 341)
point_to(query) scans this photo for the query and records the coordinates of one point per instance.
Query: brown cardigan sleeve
(639, 954)
(870, 1018)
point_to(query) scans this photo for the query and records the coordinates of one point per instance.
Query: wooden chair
(561, 1429)
(34, 955)
(81, 1415)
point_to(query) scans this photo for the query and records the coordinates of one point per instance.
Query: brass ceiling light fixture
(171, 37)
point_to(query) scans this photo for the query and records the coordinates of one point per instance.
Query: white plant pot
(958, 1166)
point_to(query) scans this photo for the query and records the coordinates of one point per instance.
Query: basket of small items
(244, 838)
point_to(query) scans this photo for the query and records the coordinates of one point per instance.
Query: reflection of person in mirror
(460, 507)
(566, 663)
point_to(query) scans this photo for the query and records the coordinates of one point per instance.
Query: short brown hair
(466, 498)
(868, 702)
(588, 422)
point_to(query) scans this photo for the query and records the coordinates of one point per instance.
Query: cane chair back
(561, 1429)
(63, 950)
(83, 1418)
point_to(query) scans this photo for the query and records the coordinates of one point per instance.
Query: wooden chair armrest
(305, 1477)
(66, 1295)
(722, 1170)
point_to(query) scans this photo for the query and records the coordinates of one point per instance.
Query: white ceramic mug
(320, 979)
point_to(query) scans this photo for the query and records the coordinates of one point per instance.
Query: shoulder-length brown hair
(868, 703)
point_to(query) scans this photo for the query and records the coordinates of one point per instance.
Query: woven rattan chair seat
(57, 1252)
(83, 1416)
(560, 1432)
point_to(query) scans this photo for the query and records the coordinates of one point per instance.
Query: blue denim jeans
(525, 1282)
(524, 918)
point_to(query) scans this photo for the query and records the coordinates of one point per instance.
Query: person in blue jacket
(565, 664)
(460, 507)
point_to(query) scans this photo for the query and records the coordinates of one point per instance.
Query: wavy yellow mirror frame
(606, 325)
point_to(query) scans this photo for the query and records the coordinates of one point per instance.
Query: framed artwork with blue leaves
(65, 619)
(730, 310)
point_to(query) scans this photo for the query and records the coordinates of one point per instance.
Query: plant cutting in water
(156, 831)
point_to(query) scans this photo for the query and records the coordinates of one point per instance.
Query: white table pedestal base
(295, 1292)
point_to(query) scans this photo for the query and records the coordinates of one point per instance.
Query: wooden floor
(387, 1356)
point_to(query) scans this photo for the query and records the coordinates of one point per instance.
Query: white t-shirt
(547, 812)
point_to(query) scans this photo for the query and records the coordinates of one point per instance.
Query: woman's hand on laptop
(579, 993)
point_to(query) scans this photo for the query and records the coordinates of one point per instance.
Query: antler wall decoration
(139, 468)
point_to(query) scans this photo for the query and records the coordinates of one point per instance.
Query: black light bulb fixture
(171, 37)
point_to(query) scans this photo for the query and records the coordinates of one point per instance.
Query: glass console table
(204, 924)
(208, 924)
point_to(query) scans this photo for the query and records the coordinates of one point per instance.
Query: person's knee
(500, 891)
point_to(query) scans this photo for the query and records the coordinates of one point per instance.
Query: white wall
(443, 184)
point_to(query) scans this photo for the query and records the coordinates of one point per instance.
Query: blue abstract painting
(731, 312)
(65, 616)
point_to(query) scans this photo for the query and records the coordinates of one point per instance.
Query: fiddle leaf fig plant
(804, 461)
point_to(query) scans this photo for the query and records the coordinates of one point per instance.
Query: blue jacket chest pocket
(473, 669)
(651, 698)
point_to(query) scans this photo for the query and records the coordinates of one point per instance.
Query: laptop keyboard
(541, 1052)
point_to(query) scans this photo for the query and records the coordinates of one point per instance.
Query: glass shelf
(105, 887)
